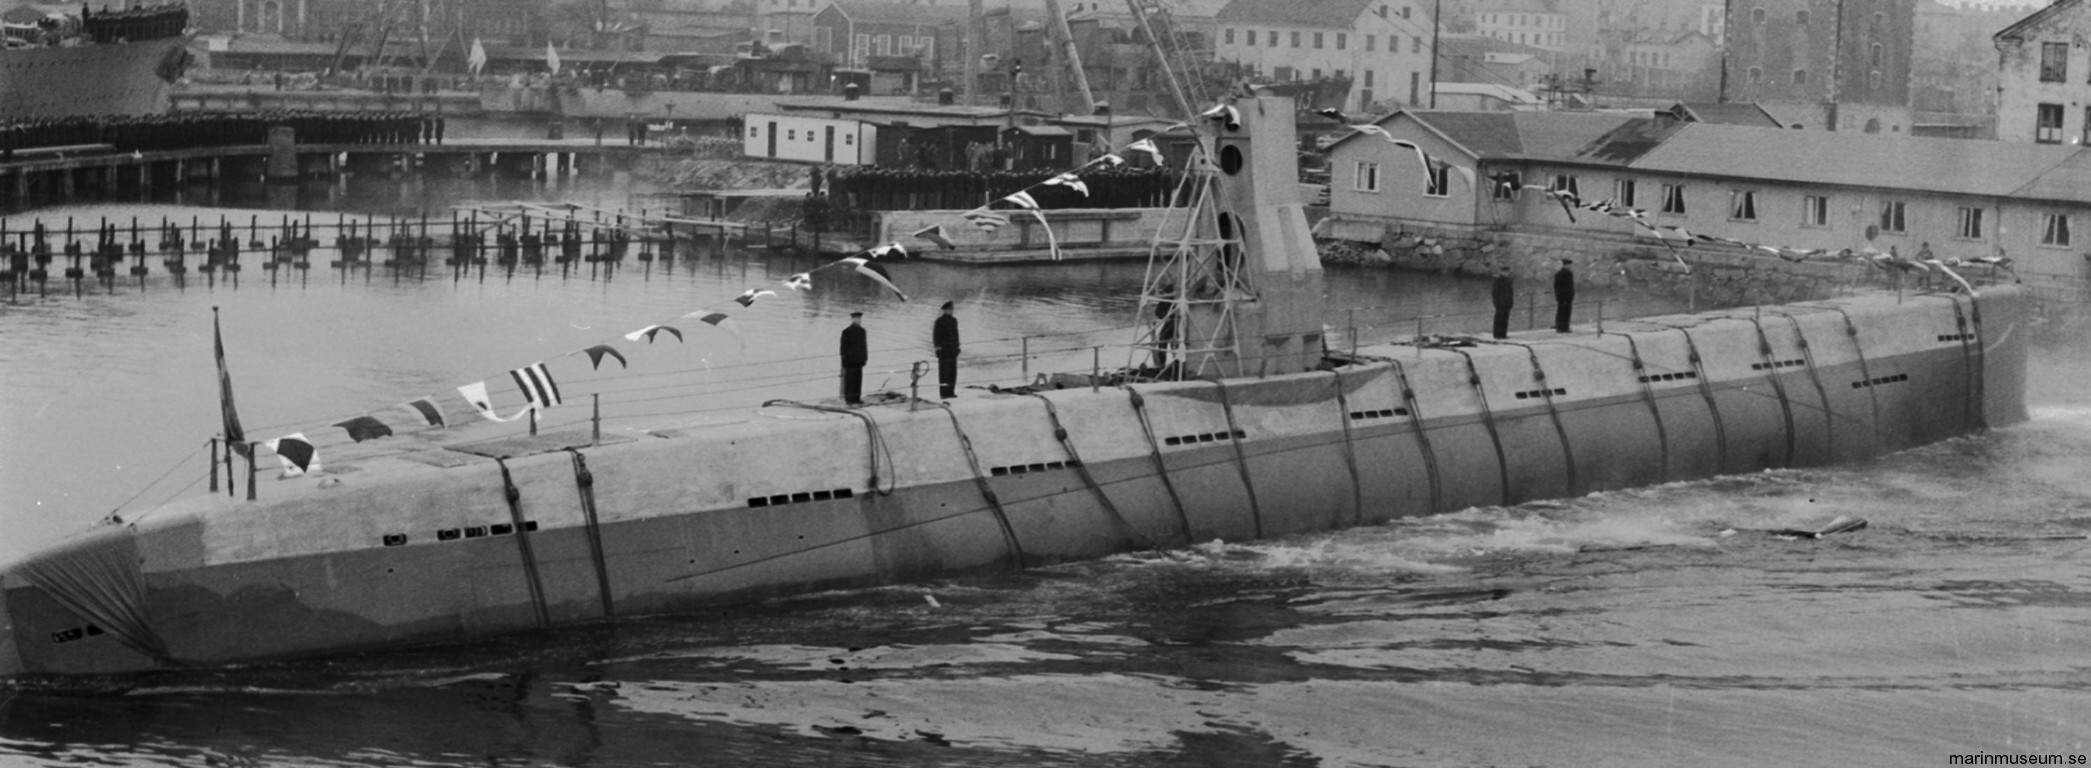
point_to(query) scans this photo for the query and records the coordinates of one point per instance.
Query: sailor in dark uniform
(944, 335)
(855, 353)
(1504, 292)
(1564, 295)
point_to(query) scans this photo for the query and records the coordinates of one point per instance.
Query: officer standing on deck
(944, 334)
(1504, 293)
(1564, 295)
(855, 353)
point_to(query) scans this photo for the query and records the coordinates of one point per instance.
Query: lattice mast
(1233, 284)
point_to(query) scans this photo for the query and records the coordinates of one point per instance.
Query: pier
(65, 171)
(510, 240)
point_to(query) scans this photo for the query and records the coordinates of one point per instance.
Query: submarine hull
(427, 547)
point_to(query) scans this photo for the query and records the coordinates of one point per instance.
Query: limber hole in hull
(800, 497)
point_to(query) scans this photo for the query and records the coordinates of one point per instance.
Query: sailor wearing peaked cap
(855, 353)
(944, 336)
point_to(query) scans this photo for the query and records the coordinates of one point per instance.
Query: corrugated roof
(1298, 13)
(1952, 166)
(2069, 180)
(1517, 135)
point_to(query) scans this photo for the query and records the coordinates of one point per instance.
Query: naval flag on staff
(551, 57)
(476, 60)
(235, 437)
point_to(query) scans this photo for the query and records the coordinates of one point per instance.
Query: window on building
(2047, 124)
(2054, 62)
(1368, 83)
(1757, 15)
(1317, 40)
(1970, 223)
(1415, 44)
(1316, 75)
(2087, 127)
(1405, 11)
(885, 45)
(1742, 204)
(1873, 80)
(1342, 39)
(1815, 211)
(1623, 192)
(1800, 77)
(754, 131)
(862, 48)
(1369, 39)
(791, 135)
(1673, 199)
(1229, 36)
(1273, 41)
(1756, 74)
(1504, 186)
(1368, 177)
(1295, 39)
(1566, 183)
(1382, 10)
(1893, 217)
(1439, 183)
(1340, 75)
(2056, 230)
(1364, 98)
(1800, 17)
(1877, 54)
(1415, 86)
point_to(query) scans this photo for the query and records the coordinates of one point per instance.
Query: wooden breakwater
(566, 241)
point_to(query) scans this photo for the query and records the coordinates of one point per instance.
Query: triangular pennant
(1147, 146)
(364, 428)
(1022, 200)
(935, 234)
(649, 331)
(986, 220)
(799, 282)
(1225, 113)
(1070, 181)
(1113, 160)
(1052, 243)
(475, 393)
(720, 321)
(296, 453)
(428, 411)
(748, 297)
(877, 273)
(596, 353)
(890, 249)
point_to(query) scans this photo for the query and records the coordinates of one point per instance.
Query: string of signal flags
(1672, 236)
(540, 390)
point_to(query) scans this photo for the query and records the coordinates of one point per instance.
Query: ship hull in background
(112, 79)
(425, 546)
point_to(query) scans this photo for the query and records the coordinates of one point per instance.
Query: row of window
(2054, 62)
(792, 134)
(1742, 203)
(2047, 124)
(1525, 20)
(1321, 39)
(1800, 17)
(885, 45)
(1800, 76)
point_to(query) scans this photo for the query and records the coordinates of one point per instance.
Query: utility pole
(1437, 14)
(976, 36)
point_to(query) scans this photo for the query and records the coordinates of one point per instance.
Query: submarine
(1248, 425)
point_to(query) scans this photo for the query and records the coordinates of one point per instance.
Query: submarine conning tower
(1267, 319)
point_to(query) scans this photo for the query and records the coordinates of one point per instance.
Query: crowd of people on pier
(148, 133)
(146, 22)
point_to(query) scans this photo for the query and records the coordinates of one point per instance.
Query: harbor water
(1658, 626)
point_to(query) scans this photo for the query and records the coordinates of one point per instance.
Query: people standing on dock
(855, 353)
(944, 335)
(1564, 294)
(1504, 292)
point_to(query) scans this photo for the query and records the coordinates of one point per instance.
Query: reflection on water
(1656, 626)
